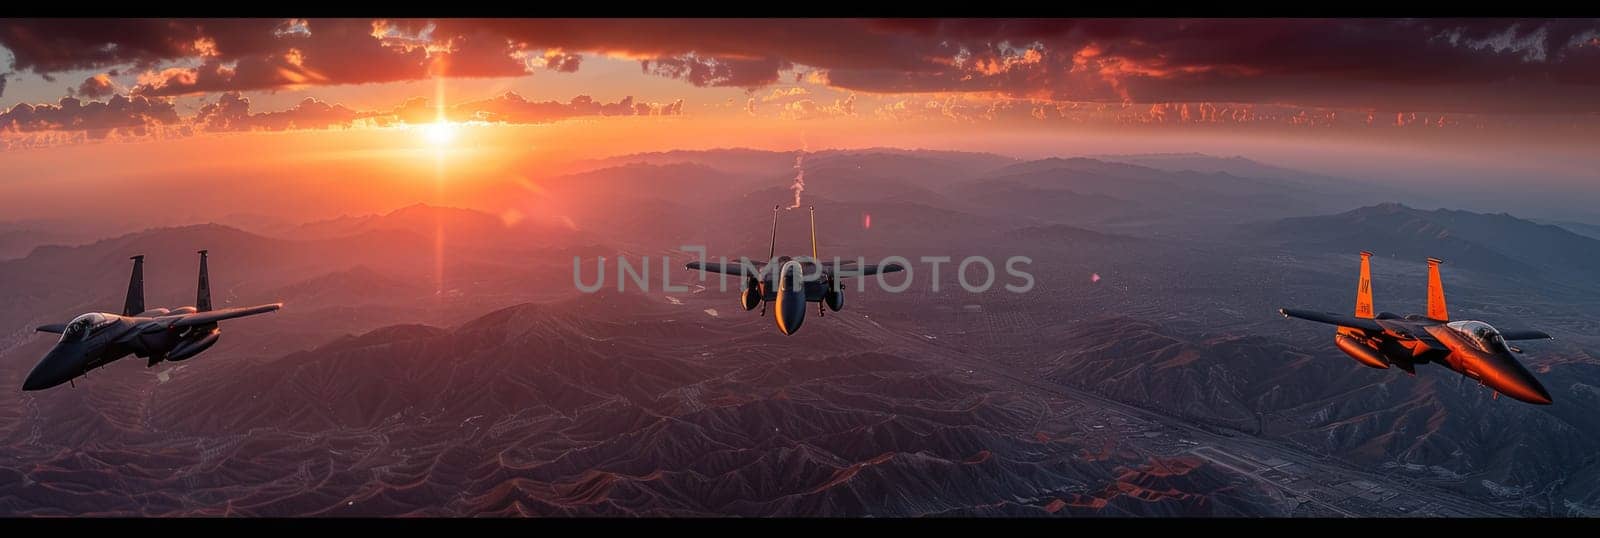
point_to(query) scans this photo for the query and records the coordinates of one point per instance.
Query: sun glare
(439, 133)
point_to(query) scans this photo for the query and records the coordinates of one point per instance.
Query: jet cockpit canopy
(1482, 335)
(81, 326)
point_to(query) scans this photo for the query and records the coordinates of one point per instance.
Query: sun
(439, 133)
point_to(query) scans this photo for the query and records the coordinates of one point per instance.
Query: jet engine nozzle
(750, 298)
(834, 299)
(1361, 352)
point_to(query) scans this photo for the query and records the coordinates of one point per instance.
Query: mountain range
(437, 361)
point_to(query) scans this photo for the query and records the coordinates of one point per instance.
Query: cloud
(134, 115)
(181, 57)
(3, 77)
(1434, 65)
(231, 112)
(1483, 65)
(339, 52)
(561, 62)
(485, 54)
(807, 109)
(969, 110)
(137, 116)
(780, 94)
(712, 71)
(513, 108)
(97, 86)
(47, 46)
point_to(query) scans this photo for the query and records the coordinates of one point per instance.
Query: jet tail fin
(134, 304)
(1364, 289)
(813, 232)
(772, 252)
(1436, 307)
(202, 296)
(1363, 295)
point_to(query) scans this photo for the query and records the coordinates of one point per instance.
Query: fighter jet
(790, 283)
(95, 339)
(1472, 348)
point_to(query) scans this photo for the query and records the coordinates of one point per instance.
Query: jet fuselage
(789, 283)
(793, 284)
(97, 339)
(1471, 348)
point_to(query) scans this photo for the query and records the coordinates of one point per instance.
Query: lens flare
(439, 133)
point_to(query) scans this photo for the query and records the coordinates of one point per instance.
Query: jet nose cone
(1533, 392)
(54, 369)
(790, 317)
(791, 311)
(35, 381)
(1509, 377)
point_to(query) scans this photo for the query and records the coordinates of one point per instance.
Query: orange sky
(323, 173)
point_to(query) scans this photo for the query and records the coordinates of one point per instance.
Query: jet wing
(1334, 319)
(1425, 337)
(56, 328)
(851, 269)
(211, 316)
(1525, 334)
(730, 268)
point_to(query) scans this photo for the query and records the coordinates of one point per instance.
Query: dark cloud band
(1474, 66)
(136, 116)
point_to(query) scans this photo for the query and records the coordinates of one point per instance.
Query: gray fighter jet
(790, 283)
(95, 339)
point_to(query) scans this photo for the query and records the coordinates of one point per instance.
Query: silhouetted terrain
(438, 361)
(1497, 243)
(1579, 228)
